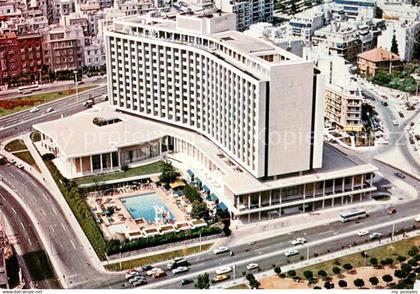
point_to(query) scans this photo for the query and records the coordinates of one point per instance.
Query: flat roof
(78, 136)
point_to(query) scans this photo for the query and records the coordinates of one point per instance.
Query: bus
(353, 215)
(28, 89)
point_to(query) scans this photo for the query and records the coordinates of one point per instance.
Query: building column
(81, 166)
(304, 192)
(323, 203)
(371, 180)
(361, 181)
(333, 187)
(270, 197)
(323, 188)
(100, 159)
(314, 190)
(91, 163)
(112, 162)
(259, 215)
(352, 183)
(259, 199)
(344, 184)
(249, 201)
(332, 202)
(249, 217)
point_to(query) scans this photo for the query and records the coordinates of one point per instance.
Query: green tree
(308, 275)
(401, 258)
(277, 270)
(387, 278)
(399, 274)
(336, 270)
(199, 210)
(374, 261)
(203, 281)
(168, 173)
(323, 274)
(394, 45)
(347, 266)
(192, 194)
(374, 281)
(342, 284)
(359, 283)
(291, 273)
(253, 283)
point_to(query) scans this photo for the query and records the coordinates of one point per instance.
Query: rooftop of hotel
(132, 130)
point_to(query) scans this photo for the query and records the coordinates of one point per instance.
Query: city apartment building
(248, 11)
(304, 24)
(20, 56)
(63, 48)
(346, 39)
(358, 8)
(343, 107)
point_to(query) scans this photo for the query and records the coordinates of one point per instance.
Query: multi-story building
(95, 53)
(343, 107)
(248, 11)
(291, 7)
(399, 10)
(347, 39)
(304, 24)
(63, 48)
(20, 57)
(242, 115)
(406, 34)
(377, 59)
(358, 8)
(23, 25)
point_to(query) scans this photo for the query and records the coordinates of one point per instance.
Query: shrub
(322, 273)
(401, 258)
(387, 278)
(308, 275)
(374, 261)
(291, 273)
(413, 251)
(277, 270)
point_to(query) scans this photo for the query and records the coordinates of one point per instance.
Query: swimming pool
(142, 206)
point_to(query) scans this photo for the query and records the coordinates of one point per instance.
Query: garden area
(391, 266)
(18, 148)
(400, 80)
(9, 106)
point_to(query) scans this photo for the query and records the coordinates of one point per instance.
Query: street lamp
(77, 92)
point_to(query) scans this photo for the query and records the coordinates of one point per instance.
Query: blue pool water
(141, 206)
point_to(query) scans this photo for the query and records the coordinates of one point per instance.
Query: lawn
(9, 106)
(239, 286)
(137, 171)
(357, 260)
(16, 145)
(27, 157)
(157, 258)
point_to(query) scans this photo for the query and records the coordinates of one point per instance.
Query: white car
(34, 109)
(49, 109)
(298, 241)
(178, 270)
(395, 122)
(252, 266)
(19, 165)
(223, 270)
(12, 160)
(291, 252)
(417, 218)
(220, 250)
(131, 274)
(153, 271)
(362, 233)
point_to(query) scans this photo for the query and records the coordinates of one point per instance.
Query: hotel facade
(240, 114)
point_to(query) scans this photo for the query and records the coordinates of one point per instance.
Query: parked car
(298, 241)
(220, 250)
(181, 269)
(158, 274)
(400, 175)
(392, 210)
(176, 262)
(220, 278)
(375, 236)
(131, 274)
(224, 270)
(362, 233)
(135, 278)
(139, 282)
(19, 165)
(186, 281)
(146, 267)
(252, 266)
(153, 271)
(291, 252)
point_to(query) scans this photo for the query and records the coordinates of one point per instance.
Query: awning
(212, 197)
(155, 179)
(206, 189)
(176, 184)
(190, 173)
(198, 181)
(222, 206)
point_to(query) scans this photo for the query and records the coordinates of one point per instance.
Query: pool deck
(178, 208)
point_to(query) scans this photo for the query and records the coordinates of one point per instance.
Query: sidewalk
(320, 259)
(284, 225)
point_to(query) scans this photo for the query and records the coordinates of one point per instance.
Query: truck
(177, 262)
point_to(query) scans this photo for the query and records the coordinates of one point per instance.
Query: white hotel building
(243, 115)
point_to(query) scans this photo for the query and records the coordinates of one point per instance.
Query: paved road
(62, 240)
(22, 122)
(24, 234)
